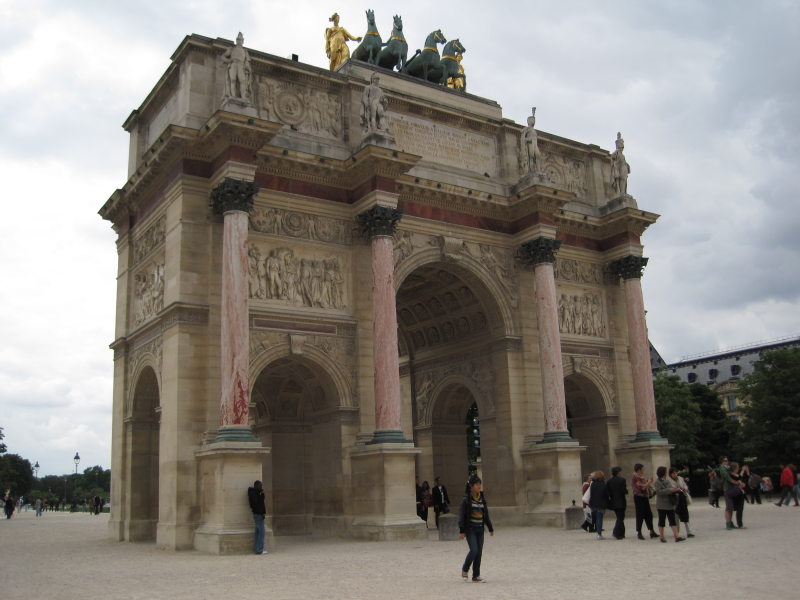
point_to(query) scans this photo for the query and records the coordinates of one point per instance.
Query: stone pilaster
(379, 223)
(630, 268)
(233, 198)
(540, 254)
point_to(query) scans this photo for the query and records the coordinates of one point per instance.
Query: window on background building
(712, 374)
(731, 402)
(736, 370)
(691, 377)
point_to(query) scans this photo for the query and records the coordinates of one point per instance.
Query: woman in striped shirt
(472, 516)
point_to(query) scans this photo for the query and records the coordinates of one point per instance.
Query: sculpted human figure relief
(619, 168)
(529, 152)
(373, 107)
(336, 39)
(238, 71)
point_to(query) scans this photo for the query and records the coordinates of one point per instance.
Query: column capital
(379, 220)
(629, 267)
(233, 194)
(539, 250)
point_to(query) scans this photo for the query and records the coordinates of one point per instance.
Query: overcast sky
(706, 95)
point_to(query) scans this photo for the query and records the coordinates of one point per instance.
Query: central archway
(142, 427)
(587, 420)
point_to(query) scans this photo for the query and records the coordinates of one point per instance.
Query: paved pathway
(69, 556)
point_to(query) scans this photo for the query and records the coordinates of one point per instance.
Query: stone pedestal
(448, 527)
(227, 469)
(651, 453)
(384, 500)
(553, 480)
(573, 517)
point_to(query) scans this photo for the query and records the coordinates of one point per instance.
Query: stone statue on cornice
(619, 168)
(238, 72)
(373, 107)
(529, 151)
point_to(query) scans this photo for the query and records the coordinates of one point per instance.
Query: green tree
(771, 411)
(2, 444)
(678, 418)
(715, 436)
(16, 475)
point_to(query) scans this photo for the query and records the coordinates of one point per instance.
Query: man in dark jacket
(617, 490)
(258, 505)
(440, 499)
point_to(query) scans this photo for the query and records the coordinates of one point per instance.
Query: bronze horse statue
(427, 65)
(395, 50)
(369, 49)
(426, 59)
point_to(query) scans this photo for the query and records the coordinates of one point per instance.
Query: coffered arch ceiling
(292, 389)
(439, 304)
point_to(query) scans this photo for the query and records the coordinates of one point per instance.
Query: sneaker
(478, 580)
(653, 534)
(464, 574)
(679, 539)
(688, 535)
(262, 552)
(640, 536)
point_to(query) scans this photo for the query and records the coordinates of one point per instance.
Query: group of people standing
(669, 489)
(437, 497)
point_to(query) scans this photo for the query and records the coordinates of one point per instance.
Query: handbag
(587, 495)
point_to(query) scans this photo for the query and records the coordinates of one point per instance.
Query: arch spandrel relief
(296, 277)
(152, 238)
(149, 354)
(471, 369)
(148, 291)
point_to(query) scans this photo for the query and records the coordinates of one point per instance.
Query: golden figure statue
(336, 39)
(458, 83)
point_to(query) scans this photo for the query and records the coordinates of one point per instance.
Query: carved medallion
(290, 108)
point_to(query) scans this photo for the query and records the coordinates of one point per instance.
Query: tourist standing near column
(441, 500)
(258, 505)
(473, 515)
(598, 501)
(617, 490)
(641, 501)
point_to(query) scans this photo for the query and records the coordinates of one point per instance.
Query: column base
(556, 436)
(235, 434)
(652, 453)
(648, 436)
(389, 436)
(227, 469)
(553, 480)
(384, 502)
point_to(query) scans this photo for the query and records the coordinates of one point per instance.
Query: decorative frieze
(580, 272)
(279, 274)
(233, 194)
(148, 292)
(379, 220)
(301, 226)
(564, 172)
(629, 267)
(152, 238)
(581, 314)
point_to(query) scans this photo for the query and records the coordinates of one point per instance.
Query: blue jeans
(474, 537)
(597, 516)
(259, 521)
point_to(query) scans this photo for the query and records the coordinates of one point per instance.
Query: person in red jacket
(787, 485)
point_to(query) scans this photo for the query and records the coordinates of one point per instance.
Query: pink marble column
(233, 199)
(379, 223)
(630, 269)
(541, 254)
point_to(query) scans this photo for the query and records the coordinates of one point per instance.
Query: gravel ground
(69, 556)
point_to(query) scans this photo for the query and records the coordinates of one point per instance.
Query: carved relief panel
(565, 172)
(301, 225)
(152, 238)
(581, 312)
(567, 269)
(296, 277)
(148, 291)
(304, 108)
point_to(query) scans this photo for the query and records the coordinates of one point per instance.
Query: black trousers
(786, 491)
(644, 514)
(619, 525)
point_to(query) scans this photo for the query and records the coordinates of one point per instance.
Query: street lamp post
(36, 470)
(77, 461)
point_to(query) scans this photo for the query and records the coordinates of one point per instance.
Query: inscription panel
(443, 144)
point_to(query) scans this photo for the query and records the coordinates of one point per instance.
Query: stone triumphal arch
(337, 281)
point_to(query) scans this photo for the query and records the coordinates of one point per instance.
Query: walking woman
(641, 501)
(472, 516)
(666, 500)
